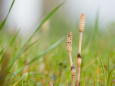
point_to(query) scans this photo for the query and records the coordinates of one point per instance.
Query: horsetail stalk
(69, 46)
(79, 60)
(69, 49)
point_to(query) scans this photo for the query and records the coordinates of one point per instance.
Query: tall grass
(4, 21)
(43, 21)
(23, 46)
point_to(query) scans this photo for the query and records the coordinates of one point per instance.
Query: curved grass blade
(16, 73)
(43, 21)
(96, 25)
(46, 51)
(57, 84)
(108, 73)
(4, 21)
(30, 45)
(14, 38)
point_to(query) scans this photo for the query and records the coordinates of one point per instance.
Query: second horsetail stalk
(69, 49)
(69, 46)
(79, 60)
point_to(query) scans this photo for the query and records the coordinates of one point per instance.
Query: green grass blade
(43, 21)
(15, 73)
(4, 21)
(14, 38)
(108, 72)
(96, 24)
(2, 24)
(59, 79)
(110, 76)
(47, 17)
(11, 6)
(102, 66)
(30, 45)
(46, 51)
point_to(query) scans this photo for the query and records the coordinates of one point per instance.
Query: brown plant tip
(82, 22)
(79, 55)
(69, 42)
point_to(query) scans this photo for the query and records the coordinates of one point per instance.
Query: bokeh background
(27, 16)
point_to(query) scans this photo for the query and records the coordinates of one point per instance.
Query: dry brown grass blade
(4, 67)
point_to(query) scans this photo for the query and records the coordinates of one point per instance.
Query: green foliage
(46, 51)
(43, 21)
(4, 21)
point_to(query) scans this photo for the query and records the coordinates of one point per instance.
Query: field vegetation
(42, 57)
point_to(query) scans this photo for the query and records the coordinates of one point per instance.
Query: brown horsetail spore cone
(79, 59)
(69, 49)
(69, 46)
(82, 22)
(69, 42)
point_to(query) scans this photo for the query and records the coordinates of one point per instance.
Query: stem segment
(79, 67)
(73, 73)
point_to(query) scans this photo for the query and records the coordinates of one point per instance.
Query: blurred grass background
(42, 57)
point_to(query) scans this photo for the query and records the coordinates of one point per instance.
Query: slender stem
(81, 29)
(73, 70)
(73, 73)
(78, 77)
(72, 84)
(80, 42)
(70, 58)
(69, 49)
(79, 59)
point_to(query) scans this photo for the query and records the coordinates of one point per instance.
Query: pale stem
(70, 58)
(72, 84)
(80, 42)
(78, 77)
